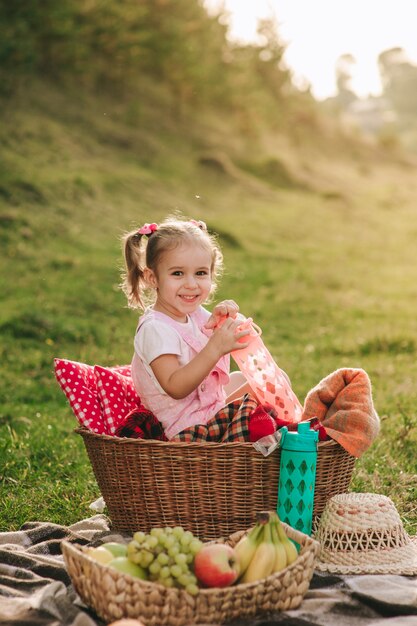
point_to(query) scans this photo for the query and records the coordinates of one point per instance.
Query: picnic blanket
(35, 589)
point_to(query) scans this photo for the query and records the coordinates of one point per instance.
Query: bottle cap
(305, 439)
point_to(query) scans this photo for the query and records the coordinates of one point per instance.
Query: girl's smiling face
(182, 280)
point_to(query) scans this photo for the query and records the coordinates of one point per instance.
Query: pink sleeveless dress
(202, 403)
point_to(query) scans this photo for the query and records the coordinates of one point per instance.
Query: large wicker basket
(212, 489)
(114, 595)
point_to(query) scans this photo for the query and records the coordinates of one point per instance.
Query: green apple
(123, 564)
(100, 554)
(117, 549)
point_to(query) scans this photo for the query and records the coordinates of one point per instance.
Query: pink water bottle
(266, 379)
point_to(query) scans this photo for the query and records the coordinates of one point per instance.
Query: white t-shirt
(158, 338)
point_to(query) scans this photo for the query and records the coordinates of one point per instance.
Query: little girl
(181, 361)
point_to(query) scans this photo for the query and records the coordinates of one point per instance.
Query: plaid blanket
(231, 423)
(34, 585)
(35, 589)
(340, 407)
(141, 424)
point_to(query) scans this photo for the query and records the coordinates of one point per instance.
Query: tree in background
(36, 37)
(345, 94)
(399, 80)
(116, 45)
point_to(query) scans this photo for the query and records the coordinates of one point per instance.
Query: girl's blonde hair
(141, 251)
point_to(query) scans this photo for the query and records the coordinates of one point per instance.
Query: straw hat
(362, 533)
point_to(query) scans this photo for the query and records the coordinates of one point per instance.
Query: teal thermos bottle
(297, 476)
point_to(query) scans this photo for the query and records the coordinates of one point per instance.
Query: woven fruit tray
(114, 595)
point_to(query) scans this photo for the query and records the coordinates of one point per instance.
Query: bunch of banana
(265, 550)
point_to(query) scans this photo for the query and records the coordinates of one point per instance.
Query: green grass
(326, 267)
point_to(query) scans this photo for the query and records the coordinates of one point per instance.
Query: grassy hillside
(318, 232)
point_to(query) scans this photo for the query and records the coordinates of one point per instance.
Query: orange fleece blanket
(342, 401)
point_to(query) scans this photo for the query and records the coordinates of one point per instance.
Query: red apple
(216, 565)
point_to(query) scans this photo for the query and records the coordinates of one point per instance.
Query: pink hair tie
(199, 223)
(147, 229)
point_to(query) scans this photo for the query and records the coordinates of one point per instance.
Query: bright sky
(317, 32)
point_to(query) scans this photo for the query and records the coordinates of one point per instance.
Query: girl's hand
(227, 337)
(178, 381)
(226, 308)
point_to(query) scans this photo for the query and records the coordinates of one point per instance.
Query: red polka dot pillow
(116, 394)
(78, 382)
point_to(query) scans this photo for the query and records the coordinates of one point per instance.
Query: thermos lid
(304, 439)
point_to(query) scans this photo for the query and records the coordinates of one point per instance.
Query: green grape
(163, 558)
(186, 538)
(155, 567)
(158, 549)
(139, 536)
(174, 550)
(192, 589)
(195, 546)
(147, 558)
(175, 570)
(152, 541)
(170, 541)
(178, 531)
(167, 553)
(133, 551)
(184, 579)
(165, 572)
(180, 559)
(143, 560)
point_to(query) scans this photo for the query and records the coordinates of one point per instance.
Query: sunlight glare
(317, 32)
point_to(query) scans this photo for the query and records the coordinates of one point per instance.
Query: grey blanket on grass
(35, 588)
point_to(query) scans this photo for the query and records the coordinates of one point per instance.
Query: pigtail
(133, 284)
